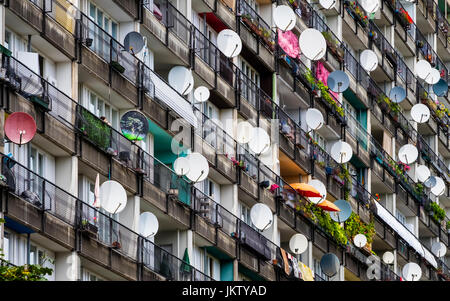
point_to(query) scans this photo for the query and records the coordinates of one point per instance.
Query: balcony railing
(50, 198)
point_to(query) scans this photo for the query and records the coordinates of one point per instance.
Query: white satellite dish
(113, 197)
(148, 224)
(370, 6)
(244, 132)
(312, 44)
(198, 167)
(439, 188)
(388, 257)
(341, 152)
(284, 17)
(181, 79)
(439, 249)
(368, 60)
(420, 113)
(321, 188)
(201, 94)
(408, 153)
(181, 166)
(360, 240)
(260, 141)
(423, 69)
(261, 216)
(298, 243)
(327, 4)
(314, 119)
(422, 173)
(412, 272)
(433, 77)
(229, 43)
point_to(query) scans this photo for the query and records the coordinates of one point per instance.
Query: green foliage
(448, 225)
(439, 213)
(354, 226)
(96, 130)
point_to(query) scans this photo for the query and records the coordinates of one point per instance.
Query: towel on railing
(305, 271)
(287, 269)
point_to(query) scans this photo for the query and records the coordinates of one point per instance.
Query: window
(352, 121)
(318, 269)
(250, 82)
(212, 267)
(319, 139)
(244, 213)
(101, 108)
(104, 21)
(6, 245)
(401, 217)
(14, 42)
(106, 26)
(87, 275)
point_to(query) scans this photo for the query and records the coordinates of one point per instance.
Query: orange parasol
(328, 206)
(304, 189)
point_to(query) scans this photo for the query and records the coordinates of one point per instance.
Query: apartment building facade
(64, 63)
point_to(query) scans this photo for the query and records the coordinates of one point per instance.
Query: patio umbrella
(288, 41)
(328, 206)
(304, 189)
(96, 203)
(185, 266)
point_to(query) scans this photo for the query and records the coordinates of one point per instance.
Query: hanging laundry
(322, 75)
(287, 269)
(305, 271)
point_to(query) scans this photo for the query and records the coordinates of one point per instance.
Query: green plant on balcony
(353, 226)
(447, 226)
(437, 213)
(419, 188)
(333, 45)
(293, 3)
(326, 95)
(97, 131)
(356, 12)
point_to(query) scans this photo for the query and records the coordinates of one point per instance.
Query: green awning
(185, 266)
(5, 50)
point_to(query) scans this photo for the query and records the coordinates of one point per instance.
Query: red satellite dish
(20, 127)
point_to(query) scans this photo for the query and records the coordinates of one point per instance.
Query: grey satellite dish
(388, 257)
(397, 94)
(430, 182)
(133, 42)
(344, 214)
(412, 272)
(298, 243)
(148, 224)
(329, 263)
(420, 113)
(338, 81)
(360, 240)
(408, 153)
(261, 216)
(440, 88)
(439, 188)
(422, 173)
(439, 249)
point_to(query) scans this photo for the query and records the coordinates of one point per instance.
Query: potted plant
(116, 245)
(448, 227)
(88, 227)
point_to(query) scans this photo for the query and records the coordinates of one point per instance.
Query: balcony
(355, 25)
(442, 35)
(426, 16)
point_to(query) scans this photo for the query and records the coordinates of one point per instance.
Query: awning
(304, 189)
(328, 206)
(405, 234)
(173, 100)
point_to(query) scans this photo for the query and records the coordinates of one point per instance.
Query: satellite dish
(134, 125)
(260, 141)
(314, 119)
(298, 243)
(201, 94)
(412, 272)
(338, 81)
(180, 78)
(360, 240)
(20, 127)
(329, 263)
(229, 43)
(439, 249)
(440, 88)
(397, 94)
(420, 113)
(439, 188)
(312, 44)
(244, 132)
(321, 188)
(327, 4)
(408, 154)
(133, 42)
(344, 214)
(341, 152)
(430, 182)
(284, 17)
(423, 69)
(422, 173)
(113, 197)
(148, 224)
(388, 257)
(433, 77)
(368, 60)
(198, 167)
(261, 216)
(181, 166)
(370, 6)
